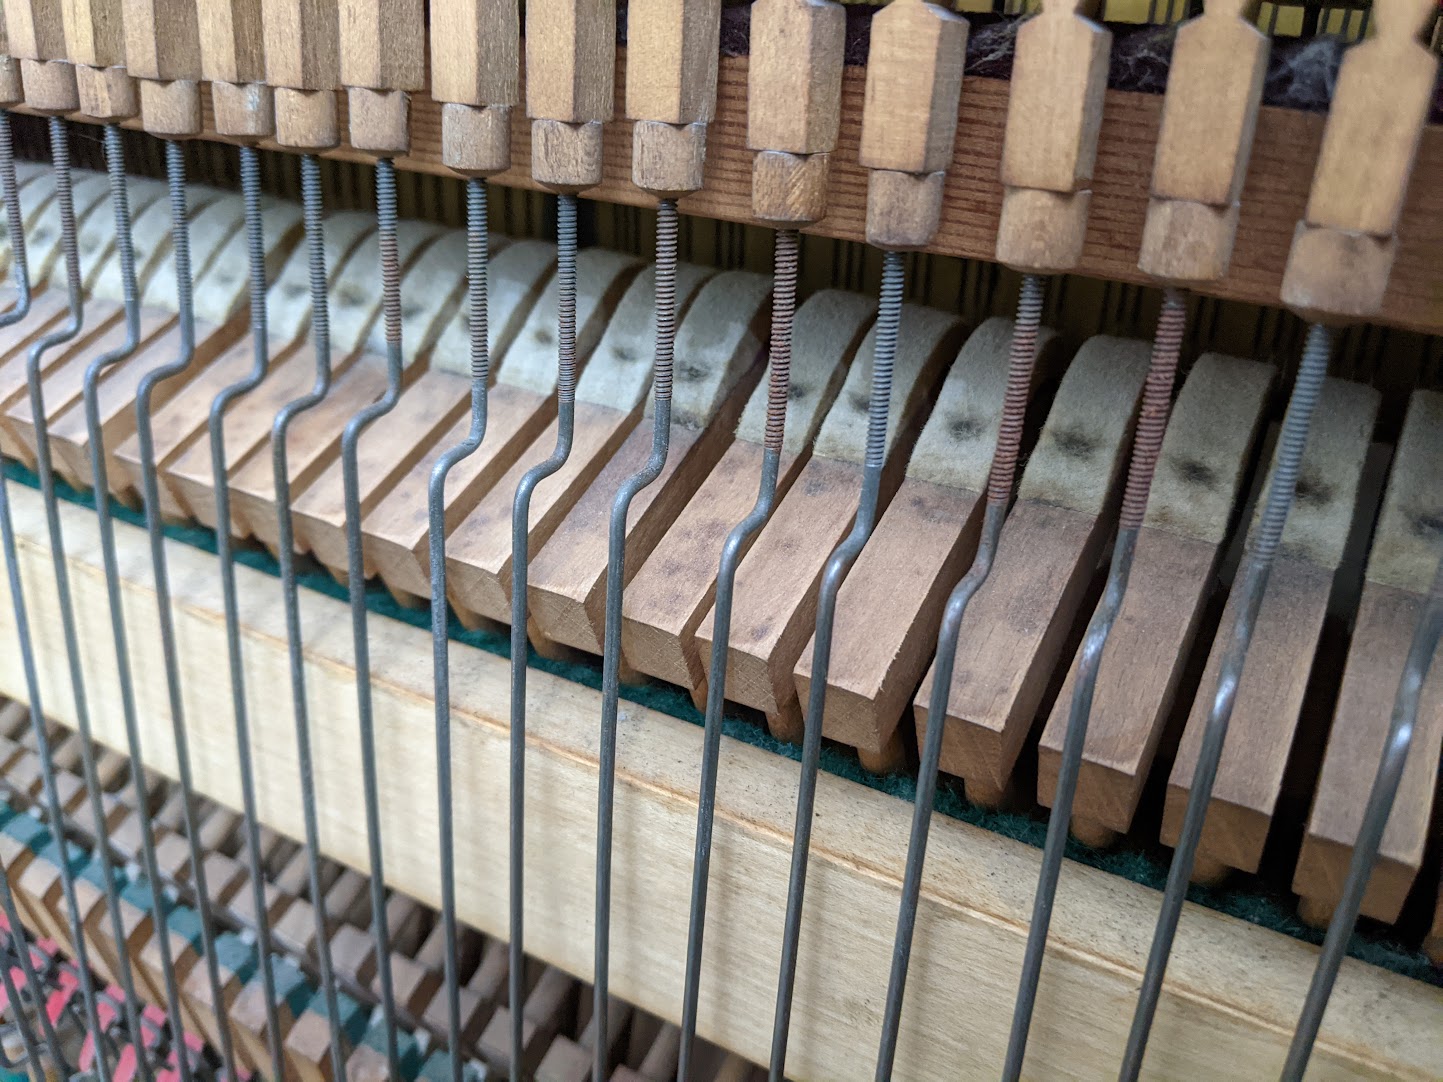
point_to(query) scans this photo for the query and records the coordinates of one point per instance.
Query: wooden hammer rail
(1233, 990)
(1285, 150)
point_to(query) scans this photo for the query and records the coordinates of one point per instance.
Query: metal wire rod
(311, 208)
(1147, 445)
(20, 273)
(356, 582)
(889, 316)
(256, 254)
(32, 986)
(1022, 359)
(155, 529)
(15, 222)
(119, 197)
(159, 904)
(520, 558)
(784, 304)
(1262, 550)
(1396, 746)
(667, 226)
(60, 158)
(477, 257)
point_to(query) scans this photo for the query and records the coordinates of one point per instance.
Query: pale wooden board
(1227, 1009)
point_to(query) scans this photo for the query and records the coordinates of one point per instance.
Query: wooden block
(248, 1013)
(1400, 571)
(383, 44)
(1041, 231)
(890, 605)
(247, 431)
(673, 81)
(236, 959)
(1268, 701)
(1210, 109)
(914, 82)
(475, 52)
(415, 986)
(302, 43)
(1193, 495)
(232, 41)
(242, 905)
(570, 60)
(608, 406)
(295, 932)
(1015, 627)
(41, 885)
(14, 387)
(430, 405)
(716, 348)
(546, 1009)
(162, 39)
(794, 77)
(70, 436)
(1381, 100)
(406, 923)
(62, 388)
(570, 1061)
(35, 30)
(353, 953)
(182, 930)
(315, 436)
(107, 94)
(672, 591)
(1059, 74)
(313, 441)
(395, 533)
(243, 110)
(775, 599)
(475, 139)
(349, 898)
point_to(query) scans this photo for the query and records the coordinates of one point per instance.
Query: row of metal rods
(1156, 401)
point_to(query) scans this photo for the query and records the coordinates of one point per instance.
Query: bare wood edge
(1233, 989)
(1273, 200)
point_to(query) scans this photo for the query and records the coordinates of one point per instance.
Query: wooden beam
(1227, 1011)
(1273, 196)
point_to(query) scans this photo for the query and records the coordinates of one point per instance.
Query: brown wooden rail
(1273, 199)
